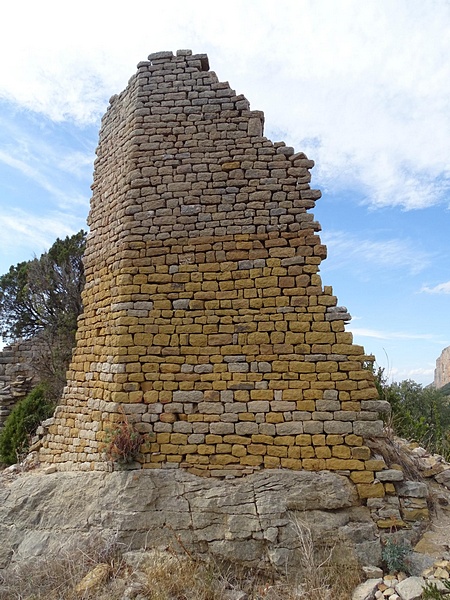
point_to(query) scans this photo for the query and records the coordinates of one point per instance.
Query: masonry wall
(17, 374)
(206, 321)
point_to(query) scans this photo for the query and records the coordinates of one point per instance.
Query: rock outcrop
(442, 371)
(253, 520)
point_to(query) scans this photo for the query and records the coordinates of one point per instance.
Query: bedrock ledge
(252, 520)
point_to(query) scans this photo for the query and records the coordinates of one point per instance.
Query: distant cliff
(442, 371)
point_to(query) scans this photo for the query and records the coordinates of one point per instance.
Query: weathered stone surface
(442, 371)
(444, 478)
(372, 572)
(366, 590)
(17, 374)
(251, 520)
(413, 489)
(410, 588)
(317, 493)
(429, 546)
(390, 475)
(418, 562)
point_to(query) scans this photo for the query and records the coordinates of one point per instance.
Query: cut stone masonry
(205, 319)
(17, 374)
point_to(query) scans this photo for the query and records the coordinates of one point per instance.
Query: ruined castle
(205, 320)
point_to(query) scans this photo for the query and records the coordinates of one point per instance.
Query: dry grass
(56, 576)
(393, 452)
(328, 572)
(166, 576)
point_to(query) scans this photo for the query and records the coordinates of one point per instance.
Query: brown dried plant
(122, 442)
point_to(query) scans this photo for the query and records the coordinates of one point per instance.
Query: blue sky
(363, 88)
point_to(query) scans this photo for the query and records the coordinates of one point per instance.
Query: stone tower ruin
(205, 319)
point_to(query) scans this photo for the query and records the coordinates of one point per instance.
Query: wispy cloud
(393, 335)
(21, 228)
(425, 374)
(75, 162)
(65, 195)
(344, 248)
(440, 288)
(377, 111)
(28, 171)
(418, 373)
(61, 170)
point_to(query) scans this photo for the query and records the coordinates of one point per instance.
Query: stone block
(370, 490)
(390, 475)
(362, 476)
(338, 427)
(412, 489)
(193, 396)
(246, 428)
(328, 405)
(361, 453)
(342, 452)
(313, 427)
(368, 428)
(258, 406)
(290, 428)
(221, 428)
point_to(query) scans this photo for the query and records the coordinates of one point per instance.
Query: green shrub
(395, 555)
(22, 423)
(431, 591)
(418, 414)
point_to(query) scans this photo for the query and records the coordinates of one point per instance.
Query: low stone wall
(17, 375)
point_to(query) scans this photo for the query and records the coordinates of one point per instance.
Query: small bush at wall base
(395, 556)
(22, 423)
(123, 443)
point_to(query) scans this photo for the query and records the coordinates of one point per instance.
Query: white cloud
(416, 373)
(367, 81)
(26, 169)
(54, 166)
(29, 230)
(76, 163)
(424, 376)
(347, 249)
(392, 335)
(440, 288)
(44, 178)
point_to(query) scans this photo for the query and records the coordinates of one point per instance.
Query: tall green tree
(22, 423)
(42, 297)
(44, 293)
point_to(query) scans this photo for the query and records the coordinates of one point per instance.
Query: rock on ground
(254, 520)
(366, 590)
